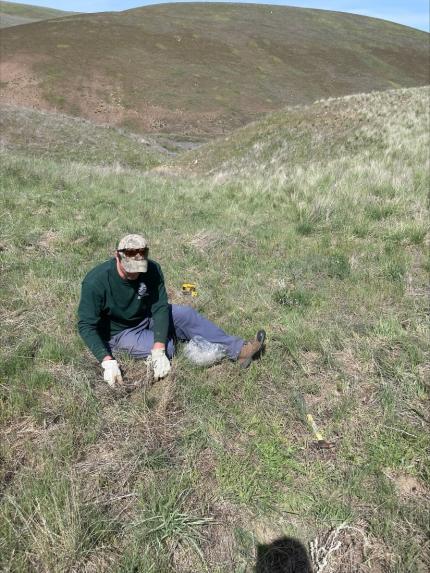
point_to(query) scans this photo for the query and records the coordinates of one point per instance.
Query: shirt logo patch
(142, 291)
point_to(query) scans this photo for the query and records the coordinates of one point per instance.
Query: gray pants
(184, 324)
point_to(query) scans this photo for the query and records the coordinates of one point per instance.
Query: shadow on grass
(284, 555)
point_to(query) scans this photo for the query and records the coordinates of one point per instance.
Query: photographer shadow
(284, 555)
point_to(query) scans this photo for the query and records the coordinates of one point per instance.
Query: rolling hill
(12, 14)
(304, 135)
(203, 68)
(55, 135)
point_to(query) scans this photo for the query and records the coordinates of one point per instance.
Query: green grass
(166, 526)
(193, 473)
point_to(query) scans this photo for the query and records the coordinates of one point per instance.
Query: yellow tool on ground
(189, 289)
(321, 442)
(314, 427)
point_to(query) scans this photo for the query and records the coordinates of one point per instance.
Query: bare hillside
(203, 68)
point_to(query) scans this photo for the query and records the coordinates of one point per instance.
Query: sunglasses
(130, 253)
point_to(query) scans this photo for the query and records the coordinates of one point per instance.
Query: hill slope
(304, 135)
(57, 136)
(12, 14)
(204, 67)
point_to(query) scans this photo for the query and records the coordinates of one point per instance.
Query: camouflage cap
(137, 263)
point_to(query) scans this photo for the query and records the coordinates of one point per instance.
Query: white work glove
(160, 363)
(112, 373)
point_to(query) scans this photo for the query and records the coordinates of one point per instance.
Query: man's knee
(182, 314)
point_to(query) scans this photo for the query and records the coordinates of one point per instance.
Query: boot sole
(261, 337)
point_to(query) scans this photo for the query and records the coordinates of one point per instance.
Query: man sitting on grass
(124, 308)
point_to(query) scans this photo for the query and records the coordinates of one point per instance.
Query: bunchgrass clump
(293, 298)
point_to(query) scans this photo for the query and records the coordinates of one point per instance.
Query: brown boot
(251, 349)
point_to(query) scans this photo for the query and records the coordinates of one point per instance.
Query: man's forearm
(93, 341)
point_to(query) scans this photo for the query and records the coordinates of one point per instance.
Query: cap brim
(133, 266)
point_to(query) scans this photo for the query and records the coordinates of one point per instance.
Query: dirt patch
(222, 545)
(264, 531)
(96, 100)
(407, 486)
(103, 103)
(204, 240)
(351, 366)
(206, 466)
(20, 85)
(47, 241)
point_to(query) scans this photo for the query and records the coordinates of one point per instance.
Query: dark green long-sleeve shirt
(110, 304)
